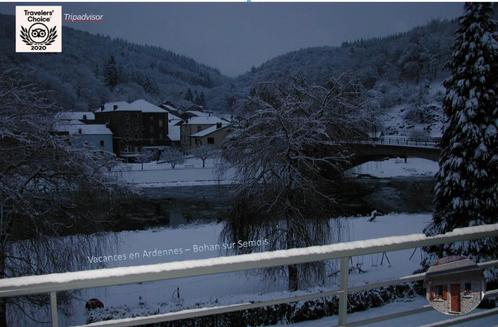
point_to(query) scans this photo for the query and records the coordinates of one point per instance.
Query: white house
(195, 124)
(96, 136)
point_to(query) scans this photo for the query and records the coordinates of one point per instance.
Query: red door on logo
(455, 297)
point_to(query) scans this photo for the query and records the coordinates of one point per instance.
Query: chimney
(218, 125)
(102, 108)
(79, 130)
(115, 107)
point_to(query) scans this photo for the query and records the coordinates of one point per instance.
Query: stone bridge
(380, 149)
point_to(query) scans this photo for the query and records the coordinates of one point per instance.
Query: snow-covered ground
(399, 119)
(189, 173)
(397, 306)
(396, 167)
(240, 286)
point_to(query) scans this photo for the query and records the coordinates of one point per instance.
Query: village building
(134, 125)
(454, 285)
(171, 109)
(174, 124)
(95, 136)
(194, 125)
(212, 136)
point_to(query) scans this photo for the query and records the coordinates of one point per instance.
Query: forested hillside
(393, 70)
(94, 68)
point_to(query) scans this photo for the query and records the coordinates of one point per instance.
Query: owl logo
(38, 34)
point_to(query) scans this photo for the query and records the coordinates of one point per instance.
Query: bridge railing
(53, 283)
(395, 141)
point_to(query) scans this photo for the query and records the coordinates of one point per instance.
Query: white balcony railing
(53, 283)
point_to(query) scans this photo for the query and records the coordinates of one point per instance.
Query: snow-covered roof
(137, 105)
(75, 115)
(198, 113)
(204, 120)
(209, 130)
(169, 107)
(86, 129)
(459, 264)
(227, 117)
(145, 106)
(174, 118)
(120, 106)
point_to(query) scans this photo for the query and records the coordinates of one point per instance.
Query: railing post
(53, 309)
(343, 295)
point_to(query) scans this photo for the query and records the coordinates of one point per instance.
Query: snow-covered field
(191, 172)
(397, 306)
(413, 167)
(240, 286)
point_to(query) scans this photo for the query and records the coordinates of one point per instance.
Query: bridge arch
(376, 151)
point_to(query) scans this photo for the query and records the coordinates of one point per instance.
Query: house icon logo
(38, 29)
(454, 285)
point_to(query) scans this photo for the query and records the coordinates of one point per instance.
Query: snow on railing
(53, 283)
(395, 141)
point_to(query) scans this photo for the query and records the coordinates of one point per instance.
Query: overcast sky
(234, 37)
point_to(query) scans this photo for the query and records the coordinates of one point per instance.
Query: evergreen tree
(189, 96)
(111, 73)
(200, 99)
(150, 86)
(466, 193)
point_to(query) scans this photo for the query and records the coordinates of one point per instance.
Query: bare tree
(172, 156)
(146, 156)
(203, 153)
(46, 186)
(285, 147)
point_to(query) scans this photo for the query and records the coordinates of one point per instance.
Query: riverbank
(213, 172)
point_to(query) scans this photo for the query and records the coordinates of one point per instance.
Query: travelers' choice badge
(38, 29)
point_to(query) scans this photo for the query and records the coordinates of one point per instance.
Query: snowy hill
(78, 74)
(401, 74)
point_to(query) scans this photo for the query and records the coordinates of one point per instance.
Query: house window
(199, 128)
(102, 143)
(160, 123)
(210, 140)
(468, 288)
(438, 292)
